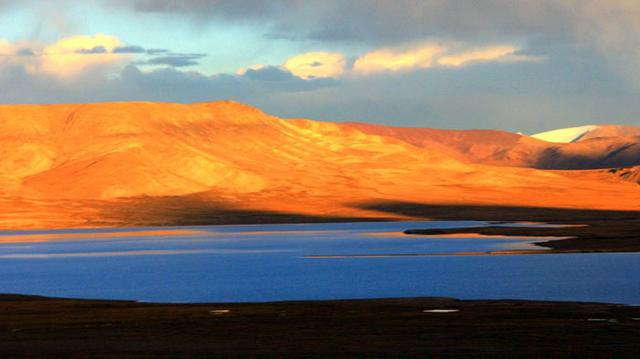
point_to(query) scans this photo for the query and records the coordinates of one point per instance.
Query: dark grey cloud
(129, 50)
(6, 3)
(380, 21)
(94, 50)
(176, 60)
(270, 73)
(157, 51)
(26, 52)
(277, 78)
(210, 8)
(134, 49)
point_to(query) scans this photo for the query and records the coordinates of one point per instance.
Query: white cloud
(72, 55)
(491, 53)
(317, 64)
(433, 55)
(65, 58)
(393, 60)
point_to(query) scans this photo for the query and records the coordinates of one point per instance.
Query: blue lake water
(271, 262)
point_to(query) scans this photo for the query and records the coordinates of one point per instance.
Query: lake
(252, 263)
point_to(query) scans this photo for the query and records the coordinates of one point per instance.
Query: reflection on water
(133, 253)
(303, 261)
(66, 237)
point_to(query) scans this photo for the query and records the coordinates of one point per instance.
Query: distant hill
(587, 147)
(576, 134)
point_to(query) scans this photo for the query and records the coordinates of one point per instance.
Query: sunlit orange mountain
(224, 162)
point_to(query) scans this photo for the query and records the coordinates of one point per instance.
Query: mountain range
(133, 163)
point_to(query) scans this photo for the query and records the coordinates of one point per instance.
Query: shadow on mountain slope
(496, 212)
(181, 211)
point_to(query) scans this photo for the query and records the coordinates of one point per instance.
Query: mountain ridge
(586, 132)
(75, 165)
(501, 148)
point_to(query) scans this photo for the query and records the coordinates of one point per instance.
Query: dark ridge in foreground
(49, 327)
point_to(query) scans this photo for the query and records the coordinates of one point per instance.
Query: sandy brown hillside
(611, 131)
(604, 147)
(631, 174)
(134, 163)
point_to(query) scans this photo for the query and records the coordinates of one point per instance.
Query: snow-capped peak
(565, 135)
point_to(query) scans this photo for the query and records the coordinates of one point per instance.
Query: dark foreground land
(46, 327)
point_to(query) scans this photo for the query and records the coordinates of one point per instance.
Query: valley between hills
(143, 163)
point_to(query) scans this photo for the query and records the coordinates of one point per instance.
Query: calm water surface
(271, 262)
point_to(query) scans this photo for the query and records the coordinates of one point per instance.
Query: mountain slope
(139, 162)
(631, 174)
(577, 134)
(132, 149)
(500, 148)
(592, 153)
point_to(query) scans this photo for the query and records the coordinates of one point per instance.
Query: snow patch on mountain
(565, 135)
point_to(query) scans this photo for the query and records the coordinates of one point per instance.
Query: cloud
(433, 55)
(26, 52)
(156, 51)
(176, 60)
(320, 65)
(610, 28)
(159, 84)
(129, 50)
(485, 54)
(94, 50)
(397, 60)
(267, 73)
(71, 56)
(243, 70)
(75, 54)
(317, 64)
(281, 79)
(16, 54)
(134, 49)
(556, 94)
(379, 22)
(219, 9)
(306, 66)
(6, 48)
(6, 3)
(590, 48)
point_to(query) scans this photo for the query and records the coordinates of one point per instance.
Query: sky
(526, 66)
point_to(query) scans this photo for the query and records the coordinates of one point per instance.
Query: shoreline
(602, 236)
(407, 327)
